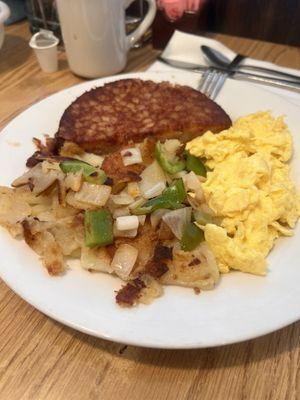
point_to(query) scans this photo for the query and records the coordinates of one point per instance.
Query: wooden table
(42, 359)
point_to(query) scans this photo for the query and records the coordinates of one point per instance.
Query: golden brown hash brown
(109, 117)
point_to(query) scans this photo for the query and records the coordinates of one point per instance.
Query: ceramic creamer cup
(94, 34)
(4, 14)
(44, 44)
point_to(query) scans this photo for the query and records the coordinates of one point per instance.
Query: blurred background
(269, 20)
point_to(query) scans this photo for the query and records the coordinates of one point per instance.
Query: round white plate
(241, 307)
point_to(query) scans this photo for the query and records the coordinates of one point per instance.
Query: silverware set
(213, 80)
(221, 68)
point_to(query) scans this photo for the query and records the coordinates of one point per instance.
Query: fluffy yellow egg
(249, 188)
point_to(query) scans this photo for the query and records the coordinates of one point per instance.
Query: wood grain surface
(42, 359)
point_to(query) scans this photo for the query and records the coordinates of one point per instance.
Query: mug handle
(134, 36)
(4, 12)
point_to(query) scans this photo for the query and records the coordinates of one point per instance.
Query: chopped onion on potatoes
(155, 190)
(127, 223)
(137, 203)
(120, 212)
(177, 219)
(37, 179)
(124, 259)
(74, 180)
(91, 158)
(95, 195)
(151, 176)
(95, 259)
(172, 146)
(156, 216)
(131, 233)
(122, 199)
(194, 189)
(131, 156)
(142, 219)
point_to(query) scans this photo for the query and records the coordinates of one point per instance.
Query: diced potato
(12, 207)
(45, 245)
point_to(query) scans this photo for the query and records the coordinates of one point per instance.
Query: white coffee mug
(94, 34)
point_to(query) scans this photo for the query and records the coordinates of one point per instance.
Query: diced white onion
(124, 259)
(95, 195)
(137, 203)
(180, 174)
(142, 219)
(131, 233)
(122, 198)
(73, 180)
(151, 176)
(177, 219)
(156, 190)
(127, 223)
(192, 183)
(131, 156)
(172, 145)
(156, 216)
(40, 184)
(80, 205)
(95, 259)
(90, 158)
(120, 212)
(39, 179)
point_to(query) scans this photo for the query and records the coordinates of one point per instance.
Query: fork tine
(218, 86)
(211, 83)
(208, 81)
(203, 80)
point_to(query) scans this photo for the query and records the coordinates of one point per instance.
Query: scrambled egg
(249, 187)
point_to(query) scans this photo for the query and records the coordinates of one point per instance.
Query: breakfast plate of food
(135, 209)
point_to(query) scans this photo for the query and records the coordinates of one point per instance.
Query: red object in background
(174, 9)
(184, 15)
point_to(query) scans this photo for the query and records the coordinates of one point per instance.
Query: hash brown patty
(106, 118)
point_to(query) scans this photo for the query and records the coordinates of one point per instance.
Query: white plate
(241, 307)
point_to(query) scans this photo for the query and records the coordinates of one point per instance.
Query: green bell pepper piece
(155, 204)
(175, 192)
(171, 168)
(98, 228)
(171, 198)
(195, 164)
(192, 236)
(90, 173)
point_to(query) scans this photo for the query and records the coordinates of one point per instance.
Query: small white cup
(44, 44)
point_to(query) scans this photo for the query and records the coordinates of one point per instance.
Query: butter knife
(240, 75)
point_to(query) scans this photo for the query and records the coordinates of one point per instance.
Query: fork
(211, 82)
